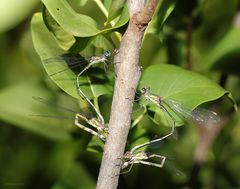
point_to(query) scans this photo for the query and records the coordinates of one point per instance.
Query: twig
(128, 74)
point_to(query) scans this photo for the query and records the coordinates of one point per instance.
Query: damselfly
(75, 61)
(98, 128)
(199, 115)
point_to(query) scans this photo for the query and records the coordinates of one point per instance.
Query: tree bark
(128, 75)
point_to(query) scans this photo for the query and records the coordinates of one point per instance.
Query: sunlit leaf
(115, 9)
(64, 39)
(50, 54)
(76, 24)
(188, 88)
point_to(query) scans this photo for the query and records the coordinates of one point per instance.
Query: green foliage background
(40, 152)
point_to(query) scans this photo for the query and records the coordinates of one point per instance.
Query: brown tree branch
(128, 75)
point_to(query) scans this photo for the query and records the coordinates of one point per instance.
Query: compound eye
(107, 53)
(143, 90)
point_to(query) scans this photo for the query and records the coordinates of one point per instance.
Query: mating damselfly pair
(136, 156)
(100, 128)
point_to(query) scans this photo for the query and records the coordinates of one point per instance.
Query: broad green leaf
(64, 39)
(76, 24)
(49, 52)
(115, 9)
(18, 112)
(13, 12)
(94, 45)
(188, 88)
(46, 47)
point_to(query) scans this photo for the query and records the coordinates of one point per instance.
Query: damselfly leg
(130, 158)
(98, 128)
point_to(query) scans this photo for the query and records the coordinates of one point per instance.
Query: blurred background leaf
(14, 12)
(42, 152)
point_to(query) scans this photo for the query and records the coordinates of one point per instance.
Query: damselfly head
(145, 90)
(127, 156)
(107, 54)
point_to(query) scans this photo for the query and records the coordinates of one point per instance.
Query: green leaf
(188, 88)
(164, 10)
(123, 19)
(81, 2)
(18, 112)
(76, 24)
(13, 12)
(49, 52)
(64, 39)
(94, 45)
(46, 47)
(138, 135)
(218, 56)
(95, 145)
(115, 9)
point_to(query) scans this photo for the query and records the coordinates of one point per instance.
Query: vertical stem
(128, 75)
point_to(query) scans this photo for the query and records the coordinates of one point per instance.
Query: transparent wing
(64, 62)
(84, 111)
(69, 58)
(199, 115)
(202, 115)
